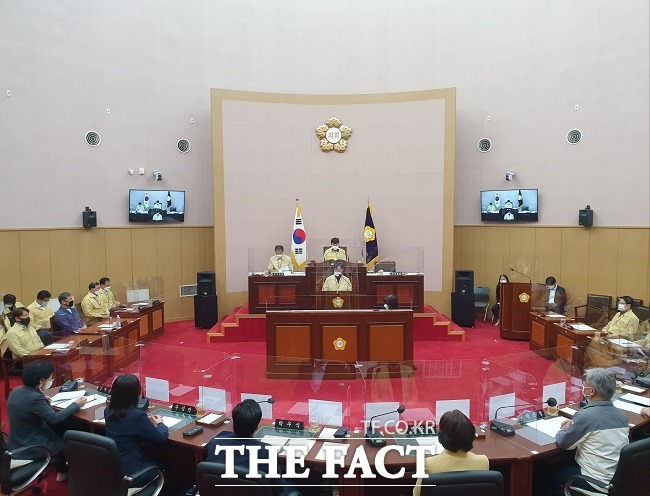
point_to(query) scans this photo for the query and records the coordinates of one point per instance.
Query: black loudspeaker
(206, 284)
(205, 311)
(462, 309)
(465, 281)
(89, 218)
(586, 217)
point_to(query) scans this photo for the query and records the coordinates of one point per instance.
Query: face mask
(45, 304)
(107, 288)
(9, 306)
(25, 321)
(502, 282)
(335, 248)
(279, 256)
(70, 303)
(549, 287)
(621, 307)
(386, 306)
(337, 274)
(48, 384)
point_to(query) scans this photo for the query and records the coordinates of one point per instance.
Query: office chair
(20, 468)
(632, 477)
(210, 483)
(95, 468)
(482, 299)
(464, 483)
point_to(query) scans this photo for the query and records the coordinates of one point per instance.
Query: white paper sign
(557, 391)
(267, 408)
(157, 389)
(503, 400)
(326, 412)
(377, 408)
(213, 398)
(449, 405)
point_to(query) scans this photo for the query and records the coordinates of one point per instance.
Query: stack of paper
(550, 426)
(635, 398)
(630, 407)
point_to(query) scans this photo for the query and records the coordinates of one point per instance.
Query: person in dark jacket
(31, 417)
(128, 426)
(503, 279)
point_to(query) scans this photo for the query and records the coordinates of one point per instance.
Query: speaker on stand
(462, 300)
(206, 313)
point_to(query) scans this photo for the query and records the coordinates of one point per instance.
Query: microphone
(506, 430)
(269, 400)
(376, 439)
(521, 274)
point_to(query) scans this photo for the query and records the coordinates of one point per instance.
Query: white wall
(524, 63)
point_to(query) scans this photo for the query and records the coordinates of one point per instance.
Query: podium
(514, 314)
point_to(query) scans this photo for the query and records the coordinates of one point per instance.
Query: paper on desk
(552, 315)
(326, 412)
(549, 426)
(581, 327)
(170, 421)
(634, 389)
(568, 411)
(339, 452)
(274, 440)
(502, 400)
(91, 401)
(432, 441)
(630, 407)
(443, 406)
(304, 445)
(67, 396)
(327, 433)
(623, 342)
(56, 346)
(157, 389)
(635, 398)
(213, 398)
(557, 391)
(267, 408)
(209, 418)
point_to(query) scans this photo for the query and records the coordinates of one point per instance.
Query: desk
(542, 330)
(294, 339)
(122, 342)
(571, 345)
(152, 320)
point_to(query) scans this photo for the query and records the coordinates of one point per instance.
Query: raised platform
(240, 325)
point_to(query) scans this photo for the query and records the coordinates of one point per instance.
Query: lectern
(514, 314)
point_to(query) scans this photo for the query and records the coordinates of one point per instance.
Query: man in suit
(337, 281)
(554, 299)
(92, 304)
(67, 317)
(246, 417)
(334, 252)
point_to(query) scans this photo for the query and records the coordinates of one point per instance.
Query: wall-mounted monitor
(163, 206)
(510, 205)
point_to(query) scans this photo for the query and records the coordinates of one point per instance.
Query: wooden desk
(152, 320)
(275, 292)
(122, 343)
(514, 312)
(295, 339)
(542, 330)
(571, 344)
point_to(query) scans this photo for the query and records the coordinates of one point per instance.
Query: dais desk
(152, 319)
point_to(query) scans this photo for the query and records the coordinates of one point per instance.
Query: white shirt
(551, 295)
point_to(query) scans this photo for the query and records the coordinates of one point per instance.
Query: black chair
(632, 476)
(20, 468)
(482, 300)
(95, 468)
(210, 483)
(464, 483)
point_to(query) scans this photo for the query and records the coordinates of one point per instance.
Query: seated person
(390, 302)
(67, 317)
(33, 420)
(337, 281)
(280, 262)
(22, 337)
(598, 433)
(41, 313)
(91, 303)
(140, 208)
(129, 426)
(334, 253)
(625, 323)
(9, 303)
(246, 417)
(157, 205)
(106, 296)
(157, 217)
(456, 433)
(554, 299)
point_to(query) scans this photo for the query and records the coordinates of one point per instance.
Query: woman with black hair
(503, 279)
(456, 433)
(128, 426)
(390, 302)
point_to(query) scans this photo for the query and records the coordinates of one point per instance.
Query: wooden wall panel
(92, 258)
(603, 260)
(574, 269)
(10, 280)
(193, 247)
(64, 256)
(497, 254)
(472, 251)
(119, 264)
(522, 253)
(548, 252)
(169, 267)
(632, 244)
(34, 263)
(209, 248)
(144, 254)
(458, 236)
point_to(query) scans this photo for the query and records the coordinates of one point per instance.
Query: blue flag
(370, 237)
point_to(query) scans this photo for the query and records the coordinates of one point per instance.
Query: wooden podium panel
(514, 314)
(152, 320)
(275, 292)
(296, 341)
(542, 330)
(409, 289)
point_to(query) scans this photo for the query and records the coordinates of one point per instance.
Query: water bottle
(118, 322)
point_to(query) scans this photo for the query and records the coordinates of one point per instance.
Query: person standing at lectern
(337, 281)
(334, 253)
(280, 262)
(503, 279)
(554, 299)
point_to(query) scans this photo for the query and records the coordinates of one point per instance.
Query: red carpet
(446, 370)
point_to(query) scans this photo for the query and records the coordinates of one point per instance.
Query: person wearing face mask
(33, 421)
(41, 313)
(106, 296)
(390, 302)
(625, 323)
(22, 337)
(280, 262)
(67, 317)
(554, 299)
(9, 303)
(598, 433)
(337, 281)
(91, 304)
(503, 279)
(334, 252)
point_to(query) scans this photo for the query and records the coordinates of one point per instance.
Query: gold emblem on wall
(333, 135)
(339, 344)
(338, 302)
(524, 297)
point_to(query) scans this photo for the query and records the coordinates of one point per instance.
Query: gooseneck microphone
(521, 274)
(376, 439)
(506, 430)
(270, 400)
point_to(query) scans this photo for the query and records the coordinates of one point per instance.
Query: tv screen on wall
(511, 205)
(158, 206)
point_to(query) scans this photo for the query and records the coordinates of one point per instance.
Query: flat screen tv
(510, 205)
(163, 206)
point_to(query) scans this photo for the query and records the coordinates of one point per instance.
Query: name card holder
(296, 425)
(186, 409)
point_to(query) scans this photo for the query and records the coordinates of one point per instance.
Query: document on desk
(274, 440)
(56, 346)
(552, 315)
(581, 327)
(170, 421)
(630, 407)
(549, 426)
(91, 401)
(635, 398)
(430, 441)
(71, 395)
(623, 343)
(303, 446)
